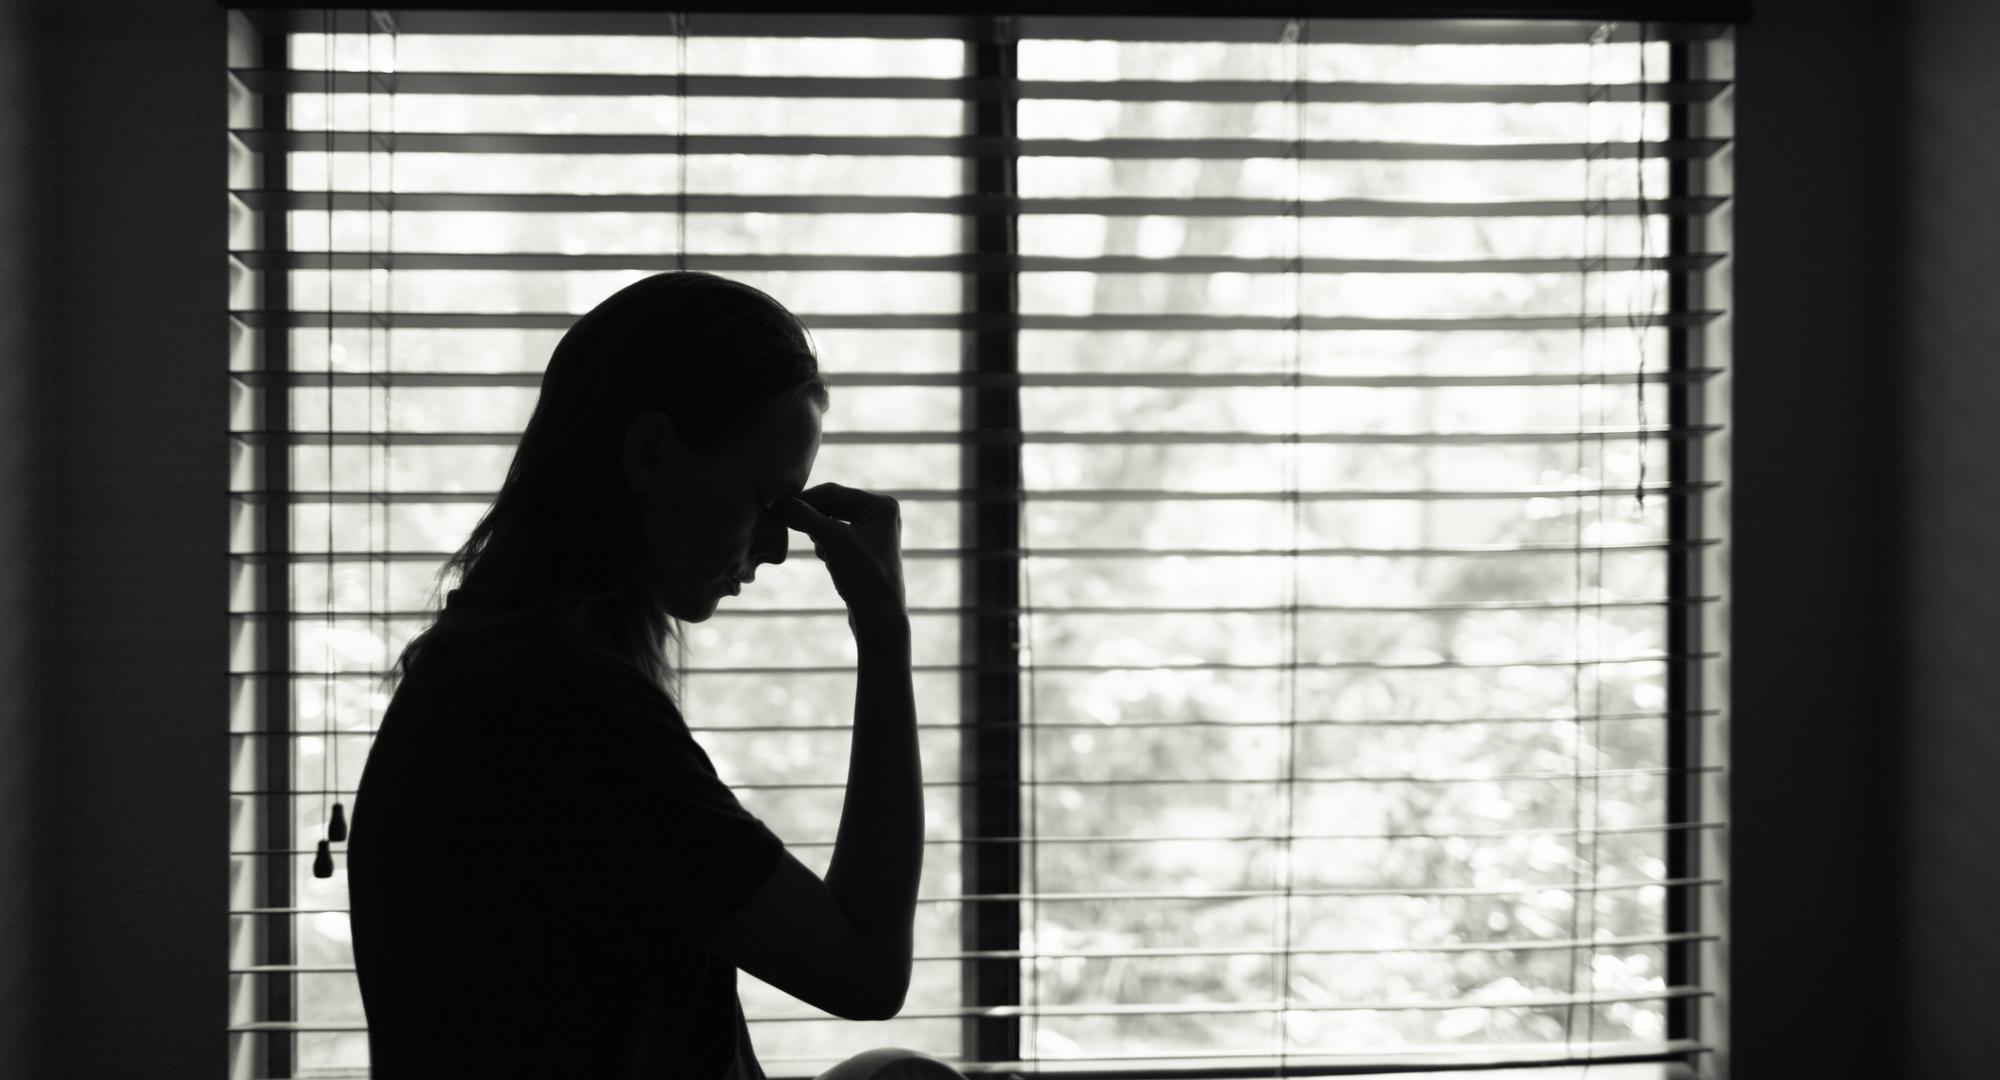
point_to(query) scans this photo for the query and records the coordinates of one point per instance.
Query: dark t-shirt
(539, 857)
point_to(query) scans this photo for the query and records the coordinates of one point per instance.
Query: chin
(696, 610)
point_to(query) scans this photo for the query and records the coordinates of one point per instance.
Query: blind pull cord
(323, 858)
(1586, 952)
(1637, 322)
(335, 823)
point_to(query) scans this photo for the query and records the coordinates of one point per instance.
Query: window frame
(991, 765)
(277, 931)
(990, 691)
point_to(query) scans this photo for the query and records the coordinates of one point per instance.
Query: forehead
(784, 445)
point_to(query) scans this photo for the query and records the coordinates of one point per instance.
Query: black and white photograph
(1093, 540)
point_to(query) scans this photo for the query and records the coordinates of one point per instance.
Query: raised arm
(844, 944)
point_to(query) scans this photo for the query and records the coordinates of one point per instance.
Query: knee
(892, 1063)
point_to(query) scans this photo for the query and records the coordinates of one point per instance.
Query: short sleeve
(641, 826)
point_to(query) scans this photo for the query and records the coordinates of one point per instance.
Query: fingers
(798, 514)
(841, 501)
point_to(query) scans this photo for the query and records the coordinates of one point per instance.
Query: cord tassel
(323, 862)
(336, 830)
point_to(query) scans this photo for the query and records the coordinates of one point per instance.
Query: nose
(768, 544)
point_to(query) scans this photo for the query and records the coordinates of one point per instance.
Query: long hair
(562, 540)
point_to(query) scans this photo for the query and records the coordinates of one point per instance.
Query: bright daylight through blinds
(1307, 437)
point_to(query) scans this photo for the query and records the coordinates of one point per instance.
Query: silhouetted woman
(547, 877)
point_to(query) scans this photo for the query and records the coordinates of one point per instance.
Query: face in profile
(707, 519)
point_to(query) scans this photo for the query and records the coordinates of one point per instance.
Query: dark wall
(1813, 787)
(1944, 358)
(116, 696)
(18, 566)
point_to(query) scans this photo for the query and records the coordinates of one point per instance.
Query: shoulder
(535, 671)
(592, 669)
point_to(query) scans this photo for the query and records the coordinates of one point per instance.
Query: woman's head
(705, 517)
(671, 416)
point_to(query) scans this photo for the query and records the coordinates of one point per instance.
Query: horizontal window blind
(1311, 442)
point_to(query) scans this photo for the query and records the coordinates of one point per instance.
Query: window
(1306, 433)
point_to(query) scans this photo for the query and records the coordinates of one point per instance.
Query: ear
(650, 445)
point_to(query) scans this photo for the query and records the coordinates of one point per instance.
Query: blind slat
(1606, 1059)
(1137, 611)
(1122, 553)
(1004, 669)
(966, 263)
(1220, 894)
(536, 202)
(1065, 725)
(1265, 839)
(1487, 834)
(1151, 781)
(309, 437)
(257, 318)
(1213, 1008)
(1153, 1009)
(255, 497)
(1144, 379)
(959, 146)
(1513, 945)
(570, 83)
(1676, 23)
(1079, 840)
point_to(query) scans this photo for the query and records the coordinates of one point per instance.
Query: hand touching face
(708, 520)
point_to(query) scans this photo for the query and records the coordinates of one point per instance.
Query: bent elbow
(886, 996)
(888, 1009)
(893, 1006)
